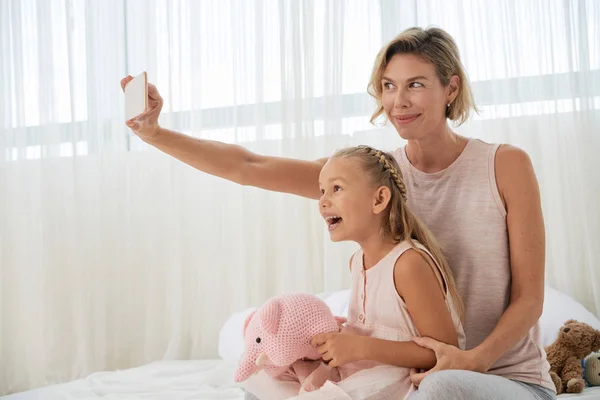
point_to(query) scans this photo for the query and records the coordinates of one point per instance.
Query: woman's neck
(435, 152)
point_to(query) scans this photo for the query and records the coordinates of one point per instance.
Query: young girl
(402, 286)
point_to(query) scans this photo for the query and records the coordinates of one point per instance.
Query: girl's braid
(396, 175)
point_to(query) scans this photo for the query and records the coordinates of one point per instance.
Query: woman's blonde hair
(437, 47)
(400, 223)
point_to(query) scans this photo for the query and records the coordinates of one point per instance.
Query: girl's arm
(417, 284)
(228, 161)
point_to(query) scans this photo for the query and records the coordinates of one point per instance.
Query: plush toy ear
(596, 344)
(247, 321)
(270, 315)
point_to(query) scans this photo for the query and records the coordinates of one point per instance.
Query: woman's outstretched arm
(228, 161)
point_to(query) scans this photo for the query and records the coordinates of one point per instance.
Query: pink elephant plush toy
(279, 333)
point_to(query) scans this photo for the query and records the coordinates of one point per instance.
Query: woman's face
(413, 97)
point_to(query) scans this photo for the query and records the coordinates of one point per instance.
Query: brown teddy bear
(575, 341)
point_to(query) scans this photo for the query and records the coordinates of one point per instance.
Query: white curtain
(112, 254)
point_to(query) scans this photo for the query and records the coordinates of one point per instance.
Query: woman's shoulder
(495, 153)
(501, 148)
(513, 165)
(509, 157)
(510, 151)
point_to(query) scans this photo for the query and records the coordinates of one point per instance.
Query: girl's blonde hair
(437, 47)
(399, 223)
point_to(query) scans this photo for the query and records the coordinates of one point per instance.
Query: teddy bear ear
(596, 344)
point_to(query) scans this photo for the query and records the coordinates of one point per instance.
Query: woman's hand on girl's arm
(448, 357)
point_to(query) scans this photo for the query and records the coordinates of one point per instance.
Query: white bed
(213, 379)
(173, 380)
(590, 393)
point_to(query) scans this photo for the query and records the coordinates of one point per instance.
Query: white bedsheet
(590, 393)
(213, 379)
(173, 380)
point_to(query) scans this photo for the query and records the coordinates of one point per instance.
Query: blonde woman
(480, 200)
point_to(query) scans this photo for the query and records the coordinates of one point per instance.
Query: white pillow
(559, 308)
(338, 302)
(231, 337)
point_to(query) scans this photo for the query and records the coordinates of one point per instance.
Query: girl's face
(413, 97)
(349, 201)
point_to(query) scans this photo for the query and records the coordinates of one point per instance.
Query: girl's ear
(381, 199)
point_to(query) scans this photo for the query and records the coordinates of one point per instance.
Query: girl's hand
(146, 125)
(448, 357)
(339, 348)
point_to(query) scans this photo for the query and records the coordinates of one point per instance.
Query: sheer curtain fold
(113, 255)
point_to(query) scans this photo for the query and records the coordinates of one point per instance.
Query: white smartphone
(136, 96)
